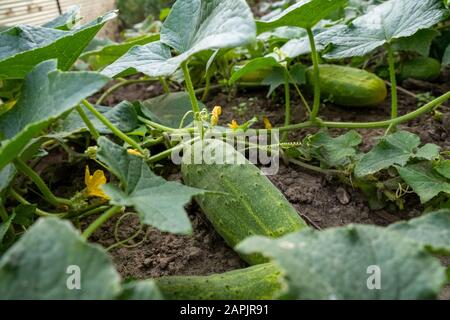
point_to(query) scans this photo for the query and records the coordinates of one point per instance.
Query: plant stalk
(394, 99)
(88, 123)
(112, 127)
(190, 88)
(315, 60)
(287, 101)
(111, 212)
(42, 186)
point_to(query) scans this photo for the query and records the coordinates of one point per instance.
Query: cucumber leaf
(123, 116)
(432, 230)
(65, 21)
(397, 148)
(334, 152)
(158, 202)
(46, 95)
(37, 266)
(4, 226)
(304, 14)
(169, 109)
(23, 47)
(382, 24)
(191, 27)
(335, 263)
(443, 168)
(104, 56)
(420, 42)
(424, 180)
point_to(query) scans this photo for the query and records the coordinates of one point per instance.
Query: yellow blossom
(217, 111)
(134, 152)
(94, 182)
(267, 123)
(234, 125)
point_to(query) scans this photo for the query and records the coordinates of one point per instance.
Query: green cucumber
(245, 202)
(261, 282)
(420, 68)
(348, 86)
(255, 76)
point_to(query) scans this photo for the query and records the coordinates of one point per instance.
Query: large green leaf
(65, 21)
(153, 59)
(158, 202)
(23, 47)
(169, 109)
(46, 95)
(304, 14)
(420, 42)
(397, 148)
(388, 21)
(337, 263)
(191, 27)
(101, 57)
(432, 230)
(40, 264)
(424, 180)
(123, 116)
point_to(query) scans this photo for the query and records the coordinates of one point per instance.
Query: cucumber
(261, 282)
(420, 68)
(245, 202)
(348, 86)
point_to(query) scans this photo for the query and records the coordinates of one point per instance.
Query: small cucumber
(261, 282)
(245, 202)
(256, 76)
(421, 68)
(348, 86)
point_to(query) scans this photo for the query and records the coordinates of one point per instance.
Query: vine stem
(314, 168)
(391, 63)
(111, 212)
(164, 84)
(119, 85)
(88, 122)
(190, 88)
(112, 127)
(42, 186)
(315, 60)
(39, 212)
(287, 101)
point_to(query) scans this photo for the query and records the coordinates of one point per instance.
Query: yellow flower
(134, 152)
(234, 125)
(216, 113)
(94, 182)
(267, 123)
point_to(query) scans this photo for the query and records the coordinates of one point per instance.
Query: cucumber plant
(46, 105)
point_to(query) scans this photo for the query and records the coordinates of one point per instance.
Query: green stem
(287, 101)
(100, 221)
(164, 85)
(88, 123)
(190, 87)
(167, 153)
(314, 168)
(391, 62)
(37, 180)
(119, 85)
(376, 124)
(39, 212)
(112, 127)
(207, 86)
(302, 97)
(315, 60)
